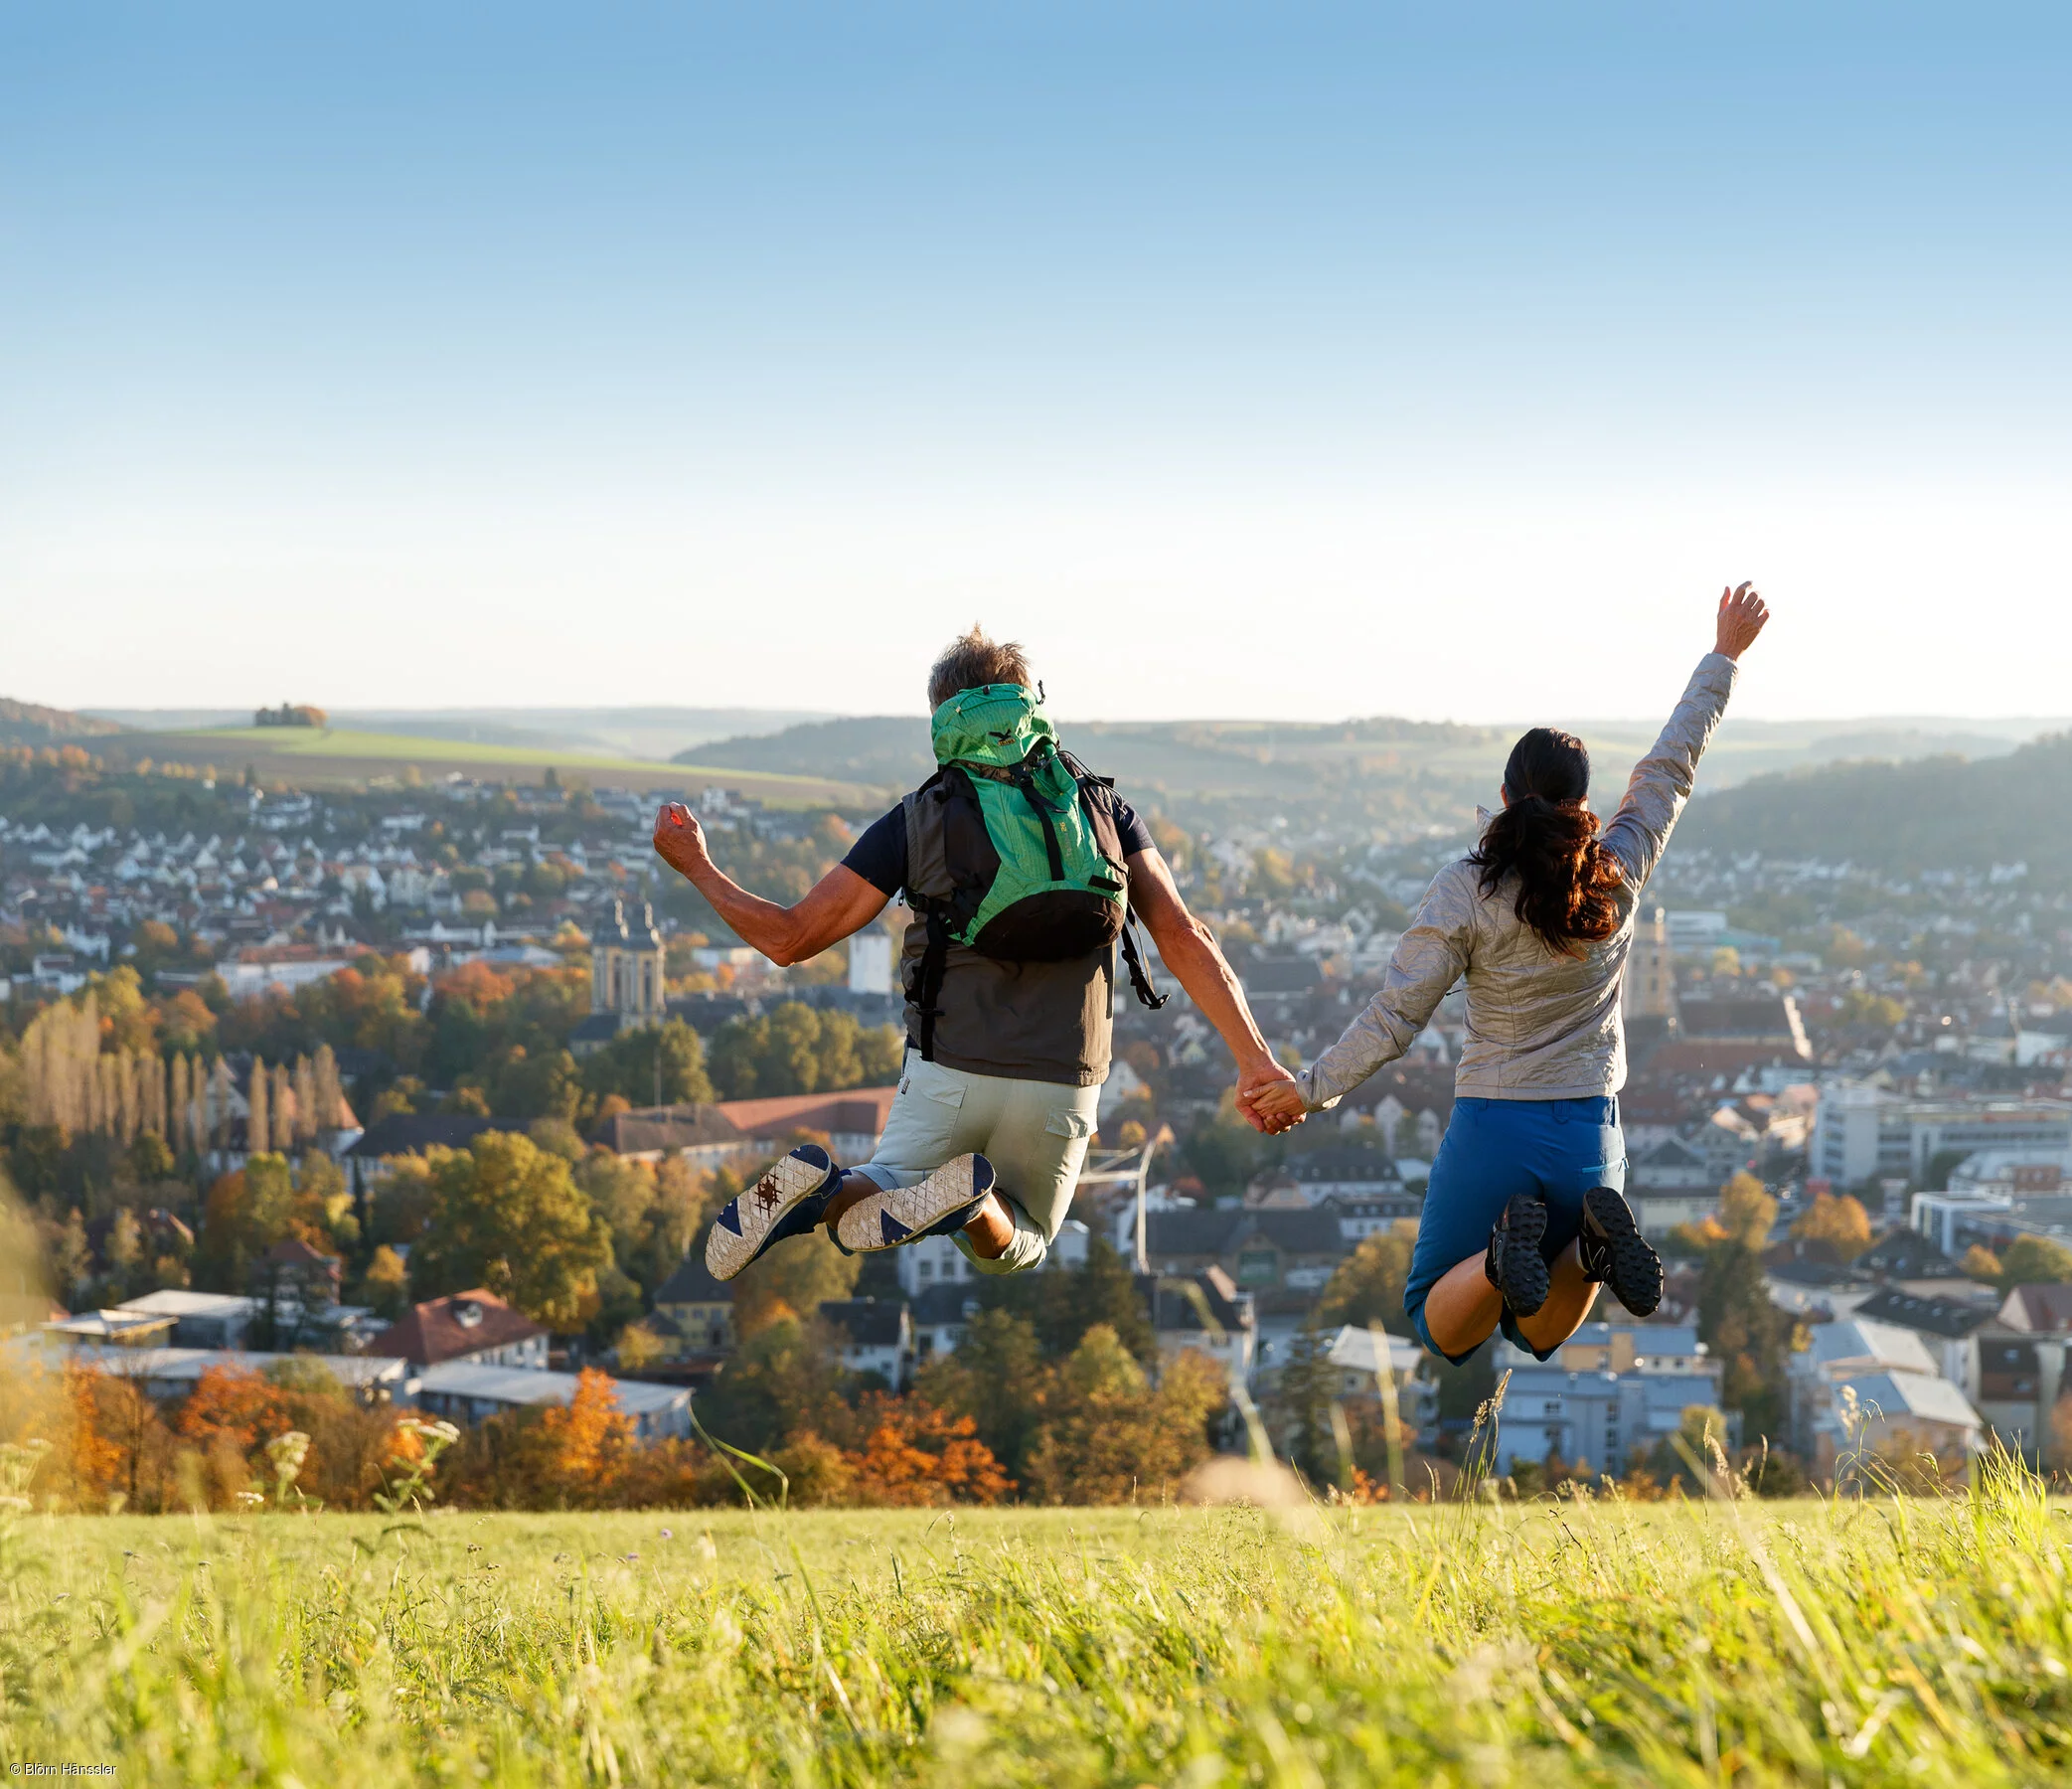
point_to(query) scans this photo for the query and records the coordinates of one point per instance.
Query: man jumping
(1022, 871)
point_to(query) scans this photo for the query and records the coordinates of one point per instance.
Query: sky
(1274, 360)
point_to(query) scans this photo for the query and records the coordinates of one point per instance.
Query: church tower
(1650, 977)
(627, 961)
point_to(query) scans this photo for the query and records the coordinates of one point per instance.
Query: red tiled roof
(292, 1252)
(438, 1330)
(860, 1109)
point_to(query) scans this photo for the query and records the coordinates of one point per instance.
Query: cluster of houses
(464, 1357)
(282, 900)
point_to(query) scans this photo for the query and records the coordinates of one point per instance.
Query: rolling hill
(26, 723)
(318, 757)
(614, 732)
(1395, 774)
(1931, 814)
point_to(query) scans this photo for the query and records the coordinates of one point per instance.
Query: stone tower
(1650, 979)
(626, 967)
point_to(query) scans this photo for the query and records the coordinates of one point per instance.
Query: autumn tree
(122, 1449)
(1746, 1211)
(783, 1381)
(1368, 1285)
(1982, 1264)
(797, 1049)
(652, 1065)
(585, 1444)
(244, 1213)
(507, 1216)
(385, 1286)
(1109, 1435)
(232, 1407)
(2035, 1261)
(916, 1455)
(1841, 1222)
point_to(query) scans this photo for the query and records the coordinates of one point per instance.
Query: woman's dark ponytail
(1569, 883)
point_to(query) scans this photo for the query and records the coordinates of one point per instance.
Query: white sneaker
(930, 1207)
(787, 1201)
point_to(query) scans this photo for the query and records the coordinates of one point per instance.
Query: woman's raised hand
(1742, 613)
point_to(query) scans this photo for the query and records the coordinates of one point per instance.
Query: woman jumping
(1523, 1218)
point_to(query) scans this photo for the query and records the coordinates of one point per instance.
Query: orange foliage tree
(914, 1454)
(580, 1450)
(233, 1406)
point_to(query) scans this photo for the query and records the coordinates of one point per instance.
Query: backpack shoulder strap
(1102, 816)
(928, 872)
(1133, 960)
(926, 992)
(931, 891)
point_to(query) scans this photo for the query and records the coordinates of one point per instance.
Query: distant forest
(1932, 814)
(25, 724)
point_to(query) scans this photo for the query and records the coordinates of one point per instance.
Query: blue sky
(1248, 360)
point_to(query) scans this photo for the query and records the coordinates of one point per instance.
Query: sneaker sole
(883, 1221)
(1635, 1269)
(748, 1224)
(1526, 1280)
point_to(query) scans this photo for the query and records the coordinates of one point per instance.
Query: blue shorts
(1493, 1149)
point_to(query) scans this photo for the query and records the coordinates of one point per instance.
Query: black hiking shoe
(1515, 1265)
(1614, 1253)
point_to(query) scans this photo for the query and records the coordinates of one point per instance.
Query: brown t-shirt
(1047, 1022)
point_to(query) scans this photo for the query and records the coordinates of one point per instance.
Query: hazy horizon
(1309, 362)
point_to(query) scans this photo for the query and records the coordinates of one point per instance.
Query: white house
(873, 1336)
(468, 1392)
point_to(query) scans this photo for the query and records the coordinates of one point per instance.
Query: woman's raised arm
(1661, 782)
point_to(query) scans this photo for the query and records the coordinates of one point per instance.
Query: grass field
(339, 755)
(1880, 1642)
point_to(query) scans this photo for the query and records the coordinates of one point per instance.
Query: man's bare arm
(1189, 950)
(840, 903)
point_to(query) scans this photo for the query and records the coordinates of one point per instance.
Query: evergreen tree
(997, 1378)
(1061, 1305)
(1746, 1333)
(1300, 1410)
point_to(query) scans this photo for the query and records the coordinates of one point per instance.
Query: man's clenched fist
(679, 839)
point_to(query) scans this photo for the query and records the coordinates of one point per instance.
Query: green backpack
(1008, 852)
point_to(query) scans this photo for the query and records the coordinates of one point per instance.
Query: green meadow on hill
(337, 756)
(1883, 1642)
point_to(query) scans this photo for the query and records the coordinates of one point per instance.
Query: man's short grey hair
(971, 661)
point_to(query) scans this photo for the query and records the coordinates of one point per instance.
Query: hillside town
(279, 1063)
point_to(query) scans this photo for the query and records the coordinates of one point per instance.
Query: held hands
(679, 839)
(1269, 1098)
(1742, 613)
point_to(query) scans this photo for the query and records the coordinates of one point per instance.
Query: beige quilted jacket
(1540, 1025)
